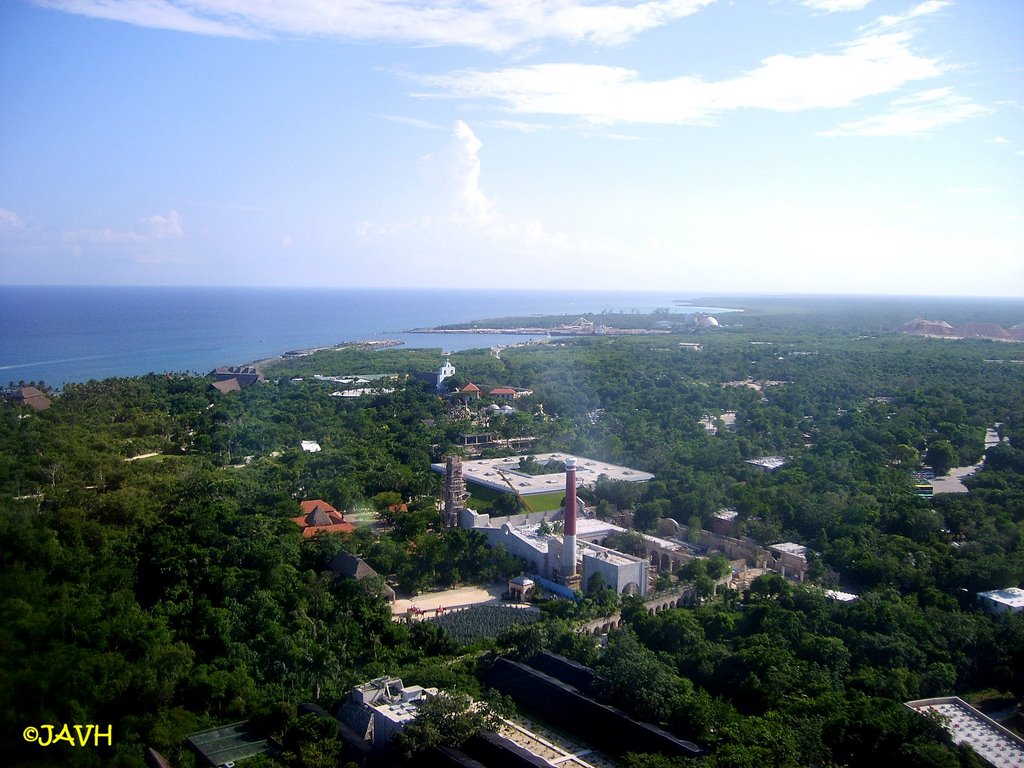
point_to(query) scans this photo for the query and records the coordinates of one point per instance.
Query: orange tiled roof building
(320, 517)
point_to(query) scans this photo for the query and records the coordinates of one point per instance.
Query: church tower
(446, 371)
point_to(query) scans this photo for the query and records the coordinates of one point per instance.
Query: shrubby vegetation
(171, 593)
(482, 621)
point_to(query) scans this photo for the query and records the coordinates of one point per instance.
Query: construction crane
(522, 499)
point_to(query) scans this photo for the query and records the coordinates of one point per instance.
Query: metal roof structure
(228, 743)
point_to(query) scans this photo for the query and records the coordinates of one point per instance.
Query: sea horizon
(70, 334)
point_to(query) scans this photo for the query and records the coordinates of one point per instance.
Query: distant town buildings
(706, 321)
(976, 330)
(358, 385)
(580, 327)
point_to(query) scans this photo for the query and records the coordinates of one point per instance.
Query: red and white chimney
(569, 520)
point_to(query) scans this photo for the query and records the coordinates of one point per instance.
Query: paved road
(953, 482)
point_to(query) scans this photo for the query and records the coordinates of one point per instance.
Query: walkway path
(142, 456)
(952, 482)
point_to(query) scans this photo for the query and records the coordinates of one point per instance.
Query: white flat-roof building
(489, 472)
(993, 743)
(624, 573)
(1009, 600)
(790, 559)
(770, 463)
(531, 537)
(841, 597)
(380, 709)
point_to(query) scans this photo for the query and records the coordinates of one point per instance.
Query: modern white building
(532, 537)
(1009, 600)
(380, 709)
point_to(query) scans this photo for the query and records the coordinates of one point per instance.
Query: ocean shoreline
(296, 354)
(59, 335)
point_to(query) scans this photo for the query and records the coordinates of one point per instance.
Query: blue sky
(825, 146)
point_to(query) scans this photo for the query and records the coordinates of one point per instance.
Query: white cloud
(151, 228)
(487, 24)
(915, 115)
(163, 227)
(156, 14)
(475, 204)
(998, 140)
(410, 121)
(104, 236)
(921, 9)
(466, 228)
(868, 66)
(10, 220)
(835, 5)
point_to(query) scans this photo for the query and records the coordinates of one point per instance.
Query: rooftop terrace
(997, 745)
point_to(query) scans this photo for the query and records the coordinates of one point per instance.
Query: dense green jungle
(171, 593)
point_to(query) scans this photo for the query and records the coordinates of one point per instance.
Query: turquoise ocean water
(60, 334)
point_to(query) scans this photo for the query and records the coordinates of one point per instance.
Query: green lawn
(483, 497)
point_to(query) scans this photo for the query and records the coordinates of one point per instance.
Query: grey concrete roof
(488, 472)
